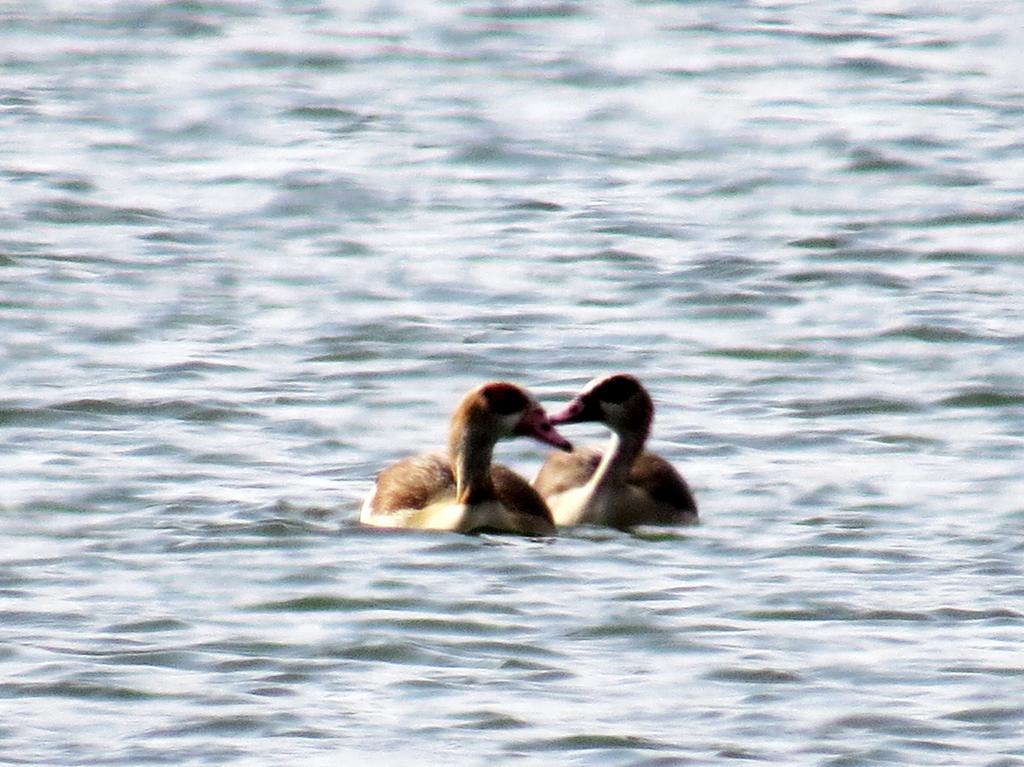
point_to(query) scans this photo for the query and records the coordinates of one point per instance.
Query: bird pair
(462, 490)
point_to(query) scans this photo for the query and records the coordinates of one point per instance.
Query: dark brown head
(507, 410)
(619, 401)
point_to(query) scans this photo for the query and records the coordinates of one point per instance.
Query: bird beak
(580, 409)
(535, 423)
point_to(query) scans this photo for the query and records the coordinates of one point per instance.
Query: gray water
(251, 252)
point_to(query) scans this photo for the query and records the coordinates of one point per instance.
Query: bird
(624, 485)
(461, 490)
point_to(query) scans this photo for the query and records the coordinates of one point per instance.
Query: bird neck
(470, 453)
(619, 456)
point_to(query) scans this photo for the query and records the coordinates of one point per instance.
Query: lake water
(251, 252)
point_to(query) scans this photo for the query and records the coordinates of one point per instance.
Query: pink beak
(569, 413)
(535, 423)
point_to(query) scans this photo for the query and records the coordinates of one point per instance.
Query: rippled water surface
(252, 252)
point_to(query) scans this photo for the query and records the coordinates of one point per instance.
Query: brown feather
(564, 471)
(650, 473)
(660, 479)
(413, 483)
(418, 481)
(516, 494)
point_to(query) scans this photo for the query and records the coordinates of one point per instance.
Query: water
(252, 252)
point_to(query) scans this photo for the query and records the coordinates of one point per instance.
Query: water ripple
(252, 253)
